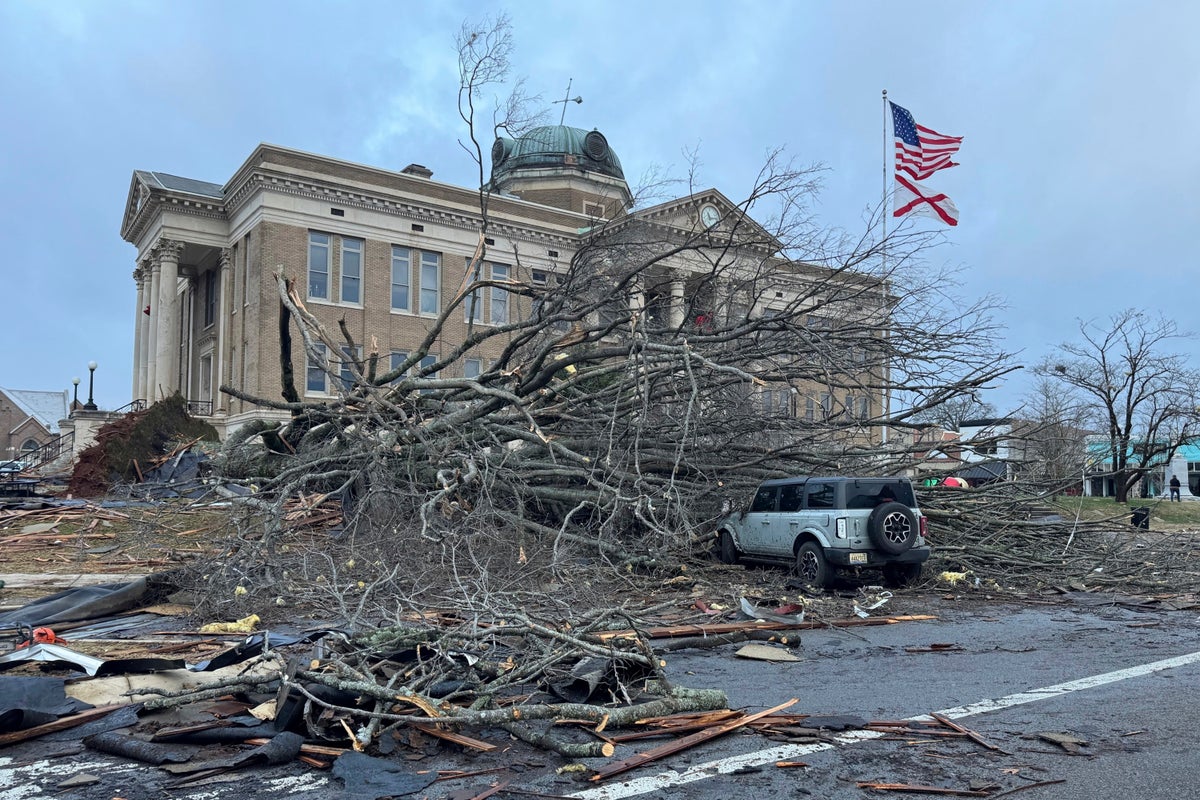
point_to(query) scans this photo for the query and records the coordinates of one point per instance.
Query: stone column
(167, 346)
(138, 332)
(675, 319)
(150, 391)
(142, 356)
(224, 299)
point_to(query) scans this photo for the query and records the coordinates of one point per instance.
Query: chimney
(418, 170)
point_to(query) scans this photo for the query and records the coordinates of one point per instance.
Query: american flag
(920, 151)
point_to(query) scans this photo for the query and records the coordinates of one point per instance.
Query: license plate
(858, 558)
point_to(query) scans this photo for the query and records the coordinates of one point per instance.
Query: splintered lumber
(917, 789)
(970, 734)
(679, 745)
(718, 628)
(457, 738)
(60, 724)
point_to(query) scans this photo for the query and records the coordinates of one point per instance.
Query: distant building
(386, 252)
(29, 419)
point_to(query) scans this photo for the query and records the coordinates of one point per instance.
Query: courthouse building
(381, 250)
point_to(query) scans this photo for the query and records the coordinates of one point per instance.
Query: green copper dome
(555, 146)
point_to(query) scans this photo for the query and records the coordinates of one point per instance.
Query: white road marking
(791, 752)
(21, 782)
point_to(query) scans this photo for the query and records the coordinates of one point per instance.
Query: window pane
(318, 265)
(398, 358)
(401, 277)
(820, 495)
(499, 296)
(316, 373)
(765, 499)
(473, 304)
(346, 373)
(430, 278)
(472, 368)
(352, 251)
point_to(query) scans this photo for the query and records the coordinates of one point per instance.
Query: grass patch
(1171, 516)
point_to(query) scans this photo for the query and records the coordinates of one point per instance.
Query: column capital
(169, 249)
(225, 259)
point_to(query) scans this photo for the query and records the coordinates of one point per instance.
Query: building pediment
(710, 212)
(152, 192)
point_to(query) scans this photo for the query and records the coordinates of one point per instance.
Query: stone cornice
(265, 180)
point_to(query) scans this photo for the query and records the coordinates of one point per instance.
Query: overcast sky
(1079, 184)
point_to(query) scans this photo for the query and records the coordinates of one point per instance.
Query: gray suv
(826, 524)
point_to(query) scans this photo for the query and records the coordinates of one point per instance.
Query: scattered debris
(766, 652)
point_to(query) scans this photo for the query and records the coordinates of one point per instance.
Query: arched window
(30, 446)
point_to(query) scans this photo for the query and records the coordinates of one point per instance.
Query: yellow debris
(243, 625)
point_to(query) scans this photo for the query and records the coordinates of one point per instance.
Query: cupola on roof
(551, 147)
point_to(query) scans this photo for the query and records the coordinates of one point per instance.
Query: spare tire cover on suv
(892, 528)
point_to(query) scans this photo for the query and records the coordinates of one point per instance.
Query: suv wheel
(897, 576)
(892, 528)
(811, 566)
(726, 550)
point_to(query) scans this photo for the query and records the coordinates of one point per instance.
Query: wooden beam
(671, 748)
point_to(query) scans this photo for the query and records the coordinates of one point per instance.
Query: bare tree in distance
(951, 413)
(1053, 432)
(1137, 392)
(618, 414)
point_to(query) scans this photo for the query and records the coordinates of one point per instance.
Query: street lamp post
(75, 403)
(90, 405)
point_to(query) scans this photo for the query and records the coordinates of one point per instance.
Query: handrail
(129, 408)
(49, 451)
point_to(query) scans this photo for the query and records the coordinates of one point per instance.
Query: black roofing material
(368, 778)
(118, 744)
(92, 602)
(29, 701)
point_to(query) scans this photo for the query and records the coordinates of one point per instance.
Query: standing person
(1175, 488)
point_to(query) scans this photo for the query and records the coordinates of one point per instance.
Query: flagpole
(887, 393)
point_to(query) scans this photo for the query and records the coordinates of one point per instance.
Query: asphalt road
(1124, 682)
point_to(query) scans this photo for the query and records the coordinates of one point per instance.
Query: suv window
(765, 499)
(869, 495)
(820, 495)
(790, 497)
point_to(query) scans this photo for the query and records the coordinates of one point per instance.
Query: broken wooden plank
(671, 748)
(918, 789)
(453, 736)
(716, 628)
(970, 734)
(60, 724)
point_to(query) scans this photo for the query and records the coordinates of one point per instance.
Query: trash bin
(1140, 518)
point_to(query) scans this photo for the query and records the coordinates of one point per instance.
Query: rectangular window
(810, 409)
(315, 380)
(764, 500)
(401, 278)
(210, 297)
(246, 270)
(472, 368)
(351, 357)
(398, 358)
(205, 379)
(473, 304)
(826, 405)
(431, 280)
(318, 265)
(352, 261)
(426, 363)
(819, 495)
(790, 497)
(499, 295)
(864, 407)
